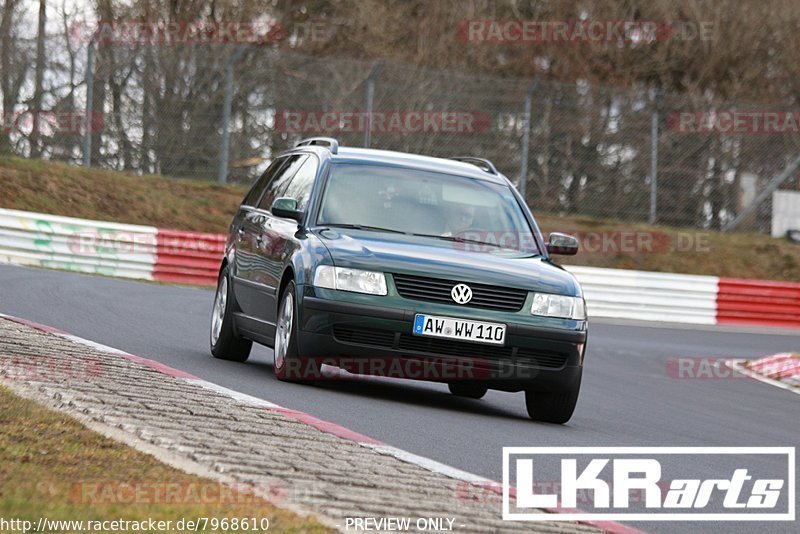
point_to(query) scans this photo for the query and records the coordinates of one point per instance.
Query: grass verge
(53, 467)
(612, 244)
(61, 189)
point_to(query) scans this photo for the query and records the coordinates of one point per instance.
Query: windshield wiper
(364, 227)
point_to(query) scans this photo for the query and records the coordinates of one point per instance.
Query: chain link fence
(220, 113)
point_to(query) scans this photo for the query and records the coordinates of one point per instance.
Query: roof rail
(481, 163)
(333, 144)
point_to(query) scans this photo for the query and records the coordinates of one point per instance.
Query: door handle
(240, 232)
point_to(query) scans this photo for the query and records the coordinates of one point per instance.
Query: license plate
(463, 329)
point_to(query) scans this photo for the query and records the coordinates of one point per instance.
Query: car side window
(280, 181)
(301, 184)
(261, 184)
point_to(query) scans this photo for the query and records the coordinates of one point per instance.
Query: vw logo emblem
(461, 293)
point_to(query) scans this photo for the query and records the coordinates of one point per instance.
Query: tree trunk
(36, 148)
(6, 79)
(102, 73)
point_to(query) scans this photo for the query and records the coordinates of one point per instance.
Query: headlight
(355, 280)
(558, 306)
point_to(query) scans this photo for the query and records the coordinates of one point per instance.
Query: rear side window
(261, 184)
(301, 184)
(280, 181)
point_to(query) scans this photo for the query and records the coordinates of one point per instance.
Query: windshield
(425, 203)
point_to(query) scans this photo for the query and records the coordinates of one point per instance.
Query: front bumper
(366, 338)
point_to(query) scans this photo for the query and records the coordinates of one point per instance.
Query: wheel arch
(288, 276)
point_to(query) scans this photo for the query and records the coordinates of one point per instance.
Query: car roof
(404, 159)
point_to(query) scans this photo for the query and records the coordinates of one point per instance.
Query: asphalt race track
(628, 398)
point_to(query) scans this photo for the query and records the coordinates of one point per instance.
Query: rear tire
(286, 361)
(470, 391)
(225, 343)
(552, 406)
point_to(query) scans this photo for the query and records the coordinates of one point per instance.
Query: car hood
(431, 257)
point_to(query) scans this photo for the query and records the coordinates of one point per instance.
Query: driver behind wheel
(458, 219)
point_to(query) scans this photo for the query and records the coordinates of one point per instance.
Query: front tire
(286, 361)
(225, 343)
(553, 406)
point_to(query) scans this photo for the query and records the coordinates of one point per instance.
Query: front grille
(444, 347)
(551, 360)
(438, 290)
(374, 338)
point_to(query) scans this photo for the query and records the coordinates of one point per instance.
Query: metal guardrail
(758, 302)
(110, 249)
(648, 296)
(82, 245)
(188, 257)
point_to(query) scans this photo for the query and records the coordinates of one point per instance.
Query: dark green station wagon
(373, 262)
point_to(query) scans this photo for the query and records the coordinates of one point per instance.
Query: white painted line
(241, 397)
(94, 345)
(427, 463)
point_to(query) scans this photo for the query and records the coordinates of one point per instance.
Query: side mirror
(286, 208)
(562, 244)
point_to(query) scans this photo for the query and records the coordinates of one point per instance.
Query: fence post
(526, 135)
(87, 134)
(222, 173)
(654, 116)
(376, 69)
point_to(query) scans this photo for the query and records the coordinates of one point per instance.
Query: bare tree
(7, 82)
